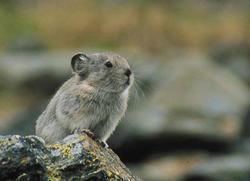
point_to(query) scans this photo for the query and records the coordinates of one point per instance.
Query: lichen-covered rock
(77, 157)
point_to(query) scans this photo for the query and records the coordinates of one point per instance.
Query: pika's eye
(109, 64)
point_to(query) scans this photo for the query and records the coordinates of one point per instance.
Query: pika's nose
(128, 72)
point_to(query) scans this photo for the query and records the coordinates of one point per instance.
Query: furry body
(85, 102)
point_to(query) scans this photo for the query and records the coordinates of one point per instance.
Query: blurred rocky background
(189, 111)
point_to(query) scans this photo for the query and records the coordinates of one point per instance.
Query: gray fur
(94, 98)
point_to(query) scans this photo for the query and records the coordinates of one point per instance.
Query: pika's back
(94, 98)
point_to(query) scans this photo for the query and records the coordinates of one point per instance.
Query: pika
(94, 98)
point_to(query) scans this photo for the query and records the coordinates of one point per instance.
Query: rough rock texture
(77, 157)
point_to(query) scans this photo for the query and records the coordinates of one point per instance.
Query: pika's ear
(79, 63)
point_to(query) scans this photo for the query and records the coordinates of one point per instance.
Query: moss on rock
(77, 157)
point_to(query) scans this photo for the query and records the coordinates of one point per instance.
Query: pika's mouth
(128, 81)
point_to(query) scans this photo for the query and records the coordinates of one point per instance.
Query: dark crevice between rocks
(198, 178)
(137, 150)
(246, 124)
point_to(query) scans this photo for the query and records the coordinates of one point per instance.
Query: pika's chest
(102, 108)
(77, 111)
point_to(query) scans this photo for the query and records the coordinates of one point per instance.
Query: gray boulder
(39, 74)
(222, 168)
(192, 97)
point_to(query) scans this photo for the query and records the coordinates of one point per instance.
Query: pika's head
(104, 71)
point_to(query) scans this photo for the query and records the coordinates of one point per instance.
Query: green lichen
(25, 160)
(53, 174)
(7, 142)
(64, 149)
(76, 158)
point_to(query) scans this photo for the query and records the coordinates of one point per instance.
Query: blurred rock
(194, 100)
(39, 74)
(22, 122)
(246, 124)
(235, 56)
(29, 78)
(195, 166)
(26, 44)
(188, 102)
(222, 168)
(168, 168)
(77, 157)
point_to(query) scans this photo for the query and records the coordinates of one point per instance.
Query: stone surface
(77, 157)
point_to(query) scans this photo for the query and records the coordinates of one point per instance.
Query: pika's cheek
(132, 78)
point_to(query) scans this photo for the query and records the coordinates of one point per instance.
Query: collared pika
(94, 98)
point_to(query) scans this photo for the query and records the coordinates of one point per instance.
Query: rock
(26, 44)
(39, 74)
(194, 104)
(235, 56)
(222, 168)
(77, 157)
(195, 166)
(170, 167)
(186, 102)
(23, 122)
